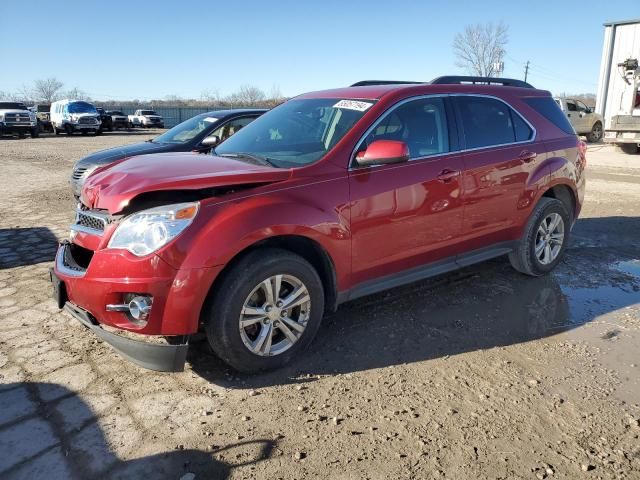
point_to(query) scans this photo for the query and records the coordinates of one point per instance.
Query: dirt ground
(483, 373)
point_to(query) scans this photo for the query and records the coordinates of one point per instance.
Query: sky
(150, 50)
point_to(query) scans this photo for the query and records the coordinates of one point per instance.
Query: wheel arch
(305, 247)
(566, 195)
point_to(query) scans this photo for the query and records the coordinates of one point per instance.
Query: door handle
(527, 156)
(447, 175)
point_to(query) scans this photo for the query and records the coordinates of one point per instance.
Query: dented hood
(113, 187)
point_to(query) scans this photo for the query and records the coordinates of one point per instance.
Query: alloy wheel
(549, 238)
(274, 315)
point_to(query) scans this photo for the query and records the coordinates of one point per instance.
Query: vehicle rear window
(485, 121)
(550, 110)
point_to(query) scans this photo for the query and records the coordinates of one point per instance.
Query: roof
(622, 22)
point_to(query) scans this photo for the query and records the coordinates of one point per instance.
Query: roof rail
(366, 83)
(507, 82)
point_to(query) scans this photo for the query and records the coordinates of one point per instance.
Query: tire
(22, 135)
(55, 130)
(595, 135)
(629, 148)
(97, 132)
(35, 132)
(111, 129)
(523, 258)
(243, 284)
(68, 130)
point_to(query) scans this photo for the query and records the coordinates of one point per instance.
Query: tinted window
(522, 130)
(549, 109)
(571, 106)
(485, 122)
(421, 124)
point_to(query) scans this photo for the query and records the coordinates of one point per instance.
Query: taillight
(582, 153)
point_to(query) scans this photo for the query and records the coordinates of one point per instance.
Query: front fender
(223, 230)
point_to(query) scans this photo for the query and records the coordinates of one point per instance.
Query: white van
(74, 116)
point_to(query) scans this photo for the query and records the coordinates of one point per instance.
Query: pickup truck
(15, 117)
(146, 119)
(583, 119)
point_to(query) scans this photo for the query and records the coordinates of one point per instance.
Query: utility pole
(526, 71)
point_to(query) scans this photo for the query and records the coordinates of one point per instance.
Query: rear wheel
(265, 310)
(595, 135)
(545, 238)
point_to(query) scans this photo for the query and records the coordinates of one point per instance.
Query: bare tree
(47, 90)
(24, 94)
(211, 96)
(76, 94)
(248, 95)
(480, 47)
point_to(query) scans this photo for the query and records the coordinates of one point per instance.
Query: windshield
(148, 112)
(12, 106)
(188, 130)
(81, 107)
(298, 132)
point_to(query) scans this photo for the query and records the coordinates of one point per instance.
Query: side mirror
(382, 152)
(211, 141)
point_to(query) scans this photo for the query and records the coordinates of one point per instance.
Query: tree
(47, 90)
(248, 95)
(480, 47)
(76, 94)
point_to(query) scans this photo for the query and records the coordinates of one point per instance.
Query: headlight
(145, 232)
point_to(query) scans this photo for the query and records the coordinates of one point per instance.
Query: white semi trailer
(618, 99)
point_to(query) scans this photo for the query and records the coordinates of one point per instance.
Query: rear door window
(488, 122)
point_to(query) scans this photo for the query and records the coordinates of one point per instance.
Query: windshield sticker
(210, 119)
(353, 105)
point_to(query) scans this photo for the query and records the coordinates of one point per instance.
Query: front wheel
(630, 148)
(545, 238)
(266, 309)
(35, 131)
(595, 135)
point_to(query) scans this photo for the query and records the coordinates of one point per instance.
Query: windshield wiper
(257, 158)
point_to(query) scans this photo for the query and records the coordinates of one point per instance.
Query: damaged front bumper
(159, 357)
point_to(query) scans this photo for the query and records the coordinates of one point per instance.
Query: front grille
(17, 117)
(87, 121)
(92, 219)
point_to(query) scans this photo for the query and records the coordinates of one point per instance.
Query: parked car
(583, 119)
(117, 120)
(43, 117)
(146, 119)
(328, 197)
(15, 118)
(200, 133)
(72, 116)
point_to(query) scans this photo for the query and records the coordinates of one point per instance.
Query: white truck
(146, 119)
(583, 119)
(15, 118)
(624, 129)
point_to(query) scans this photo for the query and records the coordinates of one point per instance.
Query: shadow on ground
(26, 246)
(485, 306)
(48, 432)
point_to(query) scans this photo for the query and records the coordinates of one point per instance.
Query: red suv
(330, 196)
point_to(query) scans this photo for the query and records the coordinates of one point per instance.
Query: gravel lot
(482, 373)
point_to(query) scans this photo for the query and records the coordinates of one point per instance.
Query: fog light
(140, 308)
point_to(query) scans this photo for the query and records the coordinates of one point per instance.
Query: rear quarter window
(549, 109)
